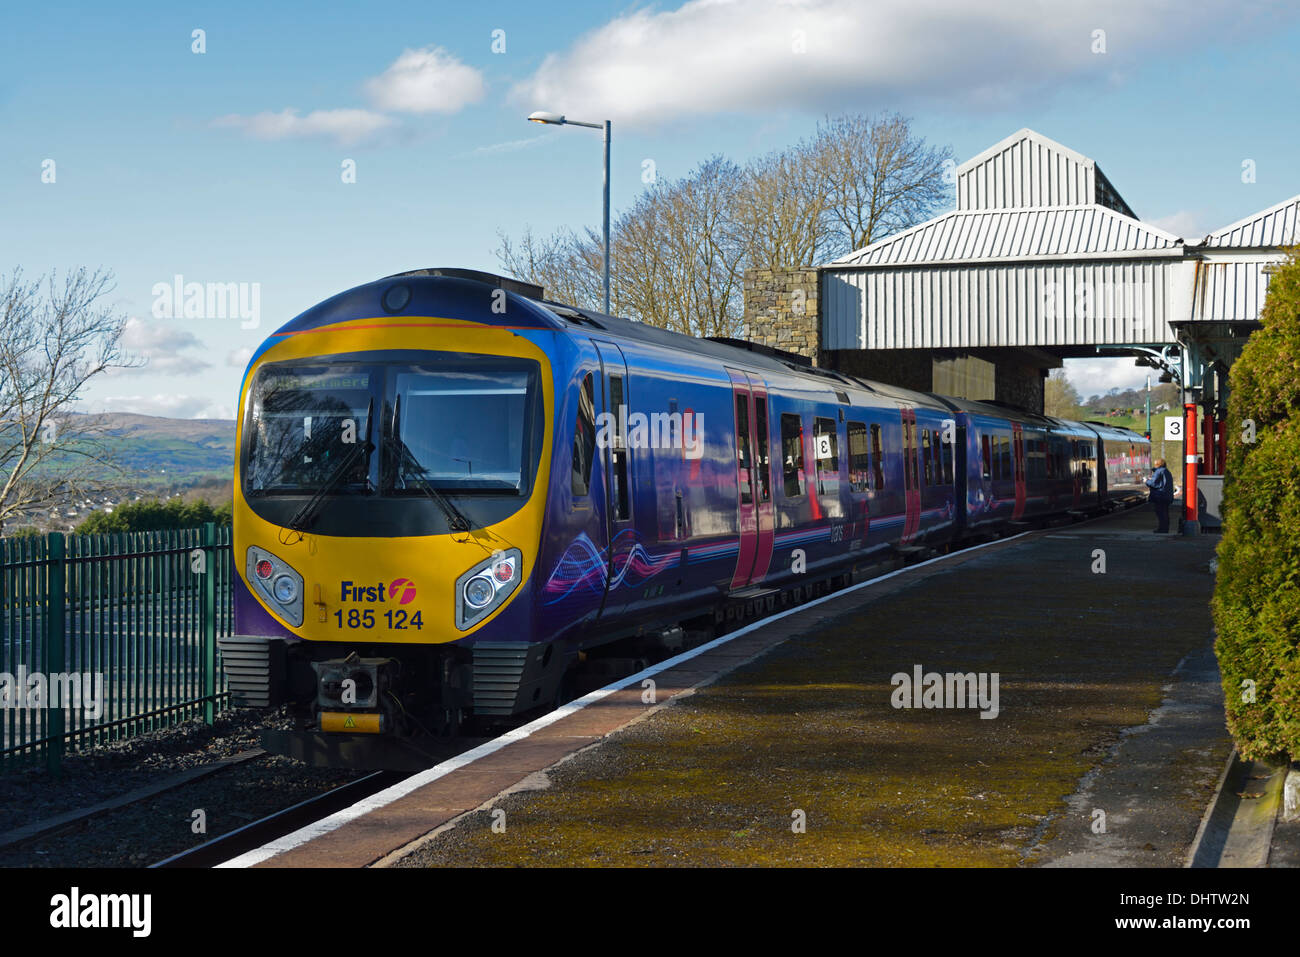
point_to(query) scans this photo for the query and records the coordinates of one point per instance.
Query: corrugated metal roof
(1008, 304)
(1042, 251)
(1276, 226)
(1230, 291)
(1009, 234)
(1028, 169)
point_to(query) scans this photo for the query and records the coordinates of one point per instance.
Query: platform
(1098, 635)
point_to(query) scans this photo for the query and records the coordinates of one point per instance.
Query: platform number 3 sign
(1173, 429)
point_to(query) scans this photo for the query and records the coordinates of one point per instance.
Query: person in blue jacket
(1161, 484)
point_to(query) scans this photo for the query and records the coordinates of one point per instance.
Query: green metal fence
(107, 636)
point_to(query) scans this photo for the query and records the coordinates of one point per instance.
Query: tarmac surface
(1103, 743)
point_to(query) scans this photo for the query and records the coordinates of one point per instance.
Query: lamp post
(558, 119)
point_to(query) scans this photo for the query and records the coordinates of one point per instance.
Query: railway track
(286, 821)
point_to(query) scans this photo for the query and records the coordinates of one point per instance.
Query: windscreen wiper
(303, 518)
(456, 519)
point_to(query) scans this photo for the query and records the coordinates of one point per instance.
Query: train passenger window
(947, 462)
(936, 445)
(826, 449)
(618, 452)
(1005, 442)
(763, 461)
(742, 451)
(792, 455)
(877, 459)
(926, 457)
(859, 458)
(987, 458)
(584, 438)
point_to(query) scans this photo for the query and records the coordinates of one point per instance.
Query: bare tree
(877, 178)
(560, 263)
(677, 256)
(54, 337)
(680, 252)
(782, 209)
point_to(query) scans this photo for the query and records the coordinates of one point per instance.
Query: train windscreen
(467, 425)
(310, 430)
(463, 427)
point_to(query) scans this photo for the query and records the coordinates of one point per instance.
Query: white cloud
(140, 335)
(1185, 224)
(238, 358)
(509, 146)
(163, 345)
(171, 405)
(428, 80)
(757, 56)
(345, 127)
(1098, 376)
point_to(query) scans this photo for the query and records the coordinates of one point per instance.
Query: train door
(1018, 454)
(1052, 446)
(911, 478)
(754, 508)
(1074, 472)
(762, 478)
(615, 459)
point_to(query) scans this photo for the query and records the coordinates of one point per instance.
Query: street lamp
(558, 119)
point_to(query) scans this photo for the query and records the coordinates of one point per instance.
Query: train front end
(394, 444)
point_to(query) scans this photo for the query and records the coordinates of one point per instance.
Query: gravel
(146, 831)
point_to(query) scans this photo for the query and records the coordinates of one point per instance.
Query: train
(458, 502)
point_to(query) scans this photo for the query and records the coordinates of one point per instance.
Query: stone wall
(1021, 384)
(782, 309)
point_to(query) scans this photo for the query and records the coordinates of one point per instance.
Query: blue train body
(687, 479)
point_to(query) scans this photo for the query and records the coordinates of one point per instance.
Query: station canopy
(1042, 252)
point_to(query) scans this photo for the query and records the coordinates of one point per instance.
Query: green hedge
(1257, 592)
(154, 516)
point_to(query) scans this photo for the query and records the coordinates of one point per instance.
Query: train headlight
(278, 584)
(285, 590)
(479, 591)
(486, 586)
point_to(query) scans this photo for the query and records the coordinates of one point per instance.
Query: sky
(296, 150)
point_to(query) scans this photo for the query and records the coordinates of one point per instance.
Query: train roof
(458, 295)
(724, 349)
(1119, 429)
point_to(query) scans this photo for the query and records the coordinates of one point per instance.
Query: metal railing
(103, 637)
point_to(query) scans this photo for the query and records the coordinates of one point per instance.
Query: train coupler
(353, 694)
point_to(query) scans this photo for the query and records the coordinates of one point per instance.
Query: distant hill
(158, 452)
(200, 431)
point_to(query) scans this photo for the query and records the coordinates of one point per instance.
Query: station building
(1041, 260)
